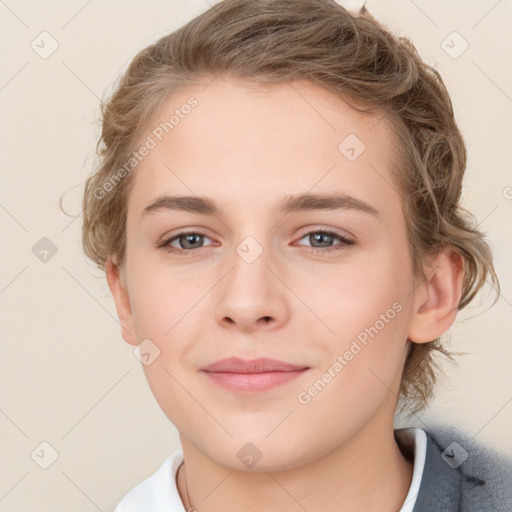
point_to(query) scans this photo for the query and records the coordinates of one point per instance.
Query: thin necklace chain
(189, 507)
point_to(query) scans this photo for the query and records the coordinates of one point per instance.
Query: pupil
(188, 240)
(321, 236)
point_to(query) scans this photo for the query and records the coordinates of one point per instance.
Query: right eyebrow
(192, 204)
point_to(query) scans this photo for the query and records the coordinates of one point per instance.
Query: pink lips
(252, 376)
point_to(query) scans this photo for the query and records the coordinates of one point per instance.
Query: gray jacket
(462, 475)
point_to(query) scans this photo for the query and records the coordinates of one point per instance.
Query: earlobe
(122, 302)
(437, 298)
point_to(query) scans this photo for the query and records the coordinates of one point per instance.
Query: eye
(324, 238)
(187, 240)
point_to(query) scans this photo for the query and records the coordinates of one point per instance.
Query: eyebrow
(288, 204)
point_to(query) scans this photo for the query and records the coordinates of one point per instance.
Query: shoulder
(158, 492)
(463, 474)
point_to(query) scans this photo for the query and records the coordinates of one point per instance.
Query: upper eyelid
(315, 229)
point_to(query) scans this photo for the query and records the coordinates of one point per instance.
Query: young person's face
(257, 285)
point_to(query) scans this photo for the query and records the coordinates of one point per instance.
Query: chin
(260, 454)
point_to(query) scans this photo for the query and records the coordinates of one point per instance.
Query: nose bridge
(251, 294)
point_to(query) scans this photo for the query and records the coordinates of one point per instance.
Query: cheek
(160, 296)
(362, 360)
(165, 311)
(366, 308)
(352, 297)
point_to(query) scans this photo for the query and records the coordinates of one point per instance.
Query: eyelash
(345, 242)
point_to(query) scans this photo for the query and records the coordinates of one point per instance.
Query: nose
(251, 297)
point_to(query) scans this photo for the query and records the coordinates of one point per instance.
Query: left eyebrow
(288, 204)
(333, 201)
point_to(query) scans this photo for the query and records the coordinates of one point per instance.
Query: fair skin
(246, 149)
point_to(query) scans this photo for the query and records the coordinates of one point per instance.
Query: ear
(437, 297)
(116, 283)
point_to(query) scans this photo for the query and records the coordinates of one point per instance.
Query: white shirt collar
(420, 452)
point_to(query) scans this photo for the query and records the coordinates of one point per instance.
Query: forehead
(249, 144)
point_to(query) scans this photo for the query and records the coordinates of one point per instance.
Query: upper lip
(261, 365)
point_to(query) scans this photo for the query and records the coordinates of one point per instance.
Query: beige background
(67, 377)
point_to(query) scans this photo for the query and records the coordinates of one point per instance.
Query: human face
(258, 284)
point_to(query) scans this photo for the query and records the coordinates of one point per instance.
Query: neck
(368, 472)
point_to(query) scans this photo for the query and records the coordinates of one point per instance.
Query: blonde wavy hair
(351, 55)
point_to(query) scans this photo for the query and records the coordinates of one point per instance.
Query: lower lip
(253, 382)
